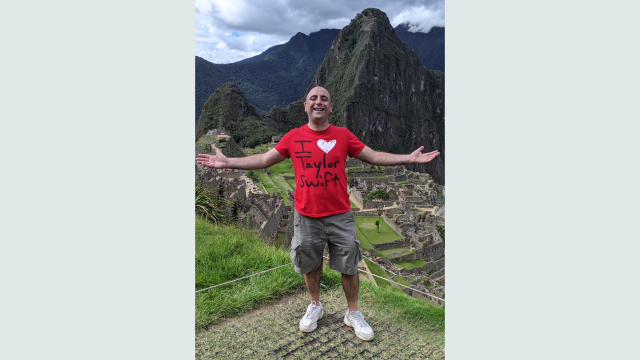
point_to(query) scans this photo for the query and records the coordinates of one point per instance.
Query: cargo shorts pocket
(358, 254)
(294, 253)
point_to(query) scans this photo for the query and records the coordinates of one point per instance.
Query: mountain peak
(382, 92)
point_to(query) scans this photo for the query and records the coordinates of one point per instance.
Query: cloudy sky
(232, 30)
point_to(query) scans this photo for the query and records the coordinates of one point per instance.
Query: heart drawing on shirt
(326, 146)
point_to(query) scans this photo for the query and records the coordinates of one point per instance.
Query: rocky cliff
(228, 108)
(381, 92)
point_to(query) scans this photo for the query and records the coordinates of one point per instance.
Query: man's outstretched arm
(386, 159)
(258, 161)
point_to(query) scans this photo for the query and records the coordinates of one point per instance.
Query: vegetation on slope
(225, 253)
(380, 92)
(280, 74)
(228, 108)
(278, 78)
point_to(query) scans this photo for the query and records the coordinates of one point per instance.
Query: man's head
(318, 104)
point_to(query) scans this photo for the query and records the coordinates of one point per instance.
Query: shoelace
(360, 319)
(310, 311)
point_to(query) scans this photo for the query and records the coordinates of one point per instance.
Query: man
(319, 151)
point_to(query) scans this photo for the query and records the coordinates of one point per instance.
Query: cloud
(420, 19)
(264, 24)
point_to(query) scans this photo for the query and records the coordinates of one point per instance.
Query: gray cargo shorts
(312, 233)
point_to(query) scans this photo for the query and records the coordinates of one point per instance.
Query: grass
(282, 168)
(260, 149)
(270, 183)
(224, 253)
(377, 270)
(368, 227)
(279, 170)
(409, 310)
(353, 206)
(408, 265)
(283, 185)
(292, 183)
(402, 181)
(363, 240)
(261, 187)
(279, 243)
(402, 281)
(386, 253)
(267, 182)
(405, 328)
(399, 255)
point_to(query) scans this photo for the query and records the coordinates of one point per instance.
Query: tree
(351, 181)
(252, 175)
(378, 195)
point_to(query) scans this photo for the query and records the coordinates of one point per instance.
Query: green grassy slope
(368, 227)
(224, 253)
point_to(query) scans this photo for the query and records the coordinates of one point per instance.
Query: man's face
(318, 105)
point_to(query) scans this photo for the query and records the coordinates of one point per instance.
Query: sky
(232, 30)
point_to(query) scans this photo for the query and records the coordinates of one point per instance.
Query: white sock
(319, 303)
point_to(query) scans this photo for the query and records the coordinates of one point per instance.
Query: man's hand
(217, 161)
(417, 157)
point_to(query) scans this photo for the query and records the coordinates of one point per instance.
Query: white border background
(97, 154)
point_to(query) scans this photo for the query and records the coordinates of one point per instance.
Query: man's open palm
(417, 157)
(217, 161)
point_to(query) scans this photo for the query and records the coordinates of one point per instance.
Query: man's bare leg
(312, 280)
(350, 285)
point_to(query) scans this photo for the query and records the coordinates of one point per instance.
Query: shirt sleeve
(283, 145)
(355, 145)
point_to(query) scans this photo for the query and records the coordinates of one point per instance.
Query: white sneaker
(309, 321)
(360, 327)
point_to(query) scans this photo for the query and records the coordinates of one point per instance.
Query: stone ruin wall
(437, 274)
(289, 232)
(357, 212)
(434, 251)
(399, 177)
(386, 246)
(375, 204)
(392, 225)
(270, 229)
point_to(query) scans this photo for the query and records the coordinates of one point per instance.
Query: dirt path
(248, 187)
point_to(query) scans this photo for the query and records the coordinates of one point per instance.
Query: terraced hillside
(281, 178)
(222, 141)
(368, 235)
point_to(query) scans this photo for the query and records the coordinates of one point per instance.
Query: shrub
(212, 206)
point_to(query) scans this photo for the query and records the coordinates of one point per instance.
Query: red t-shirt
(319, 159)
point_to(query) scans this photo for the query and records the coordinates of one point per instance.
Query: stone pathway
(248, 188)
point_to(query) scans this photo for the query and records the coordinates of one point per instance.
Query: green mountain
(281, 73)
(260, 56)
(381, 92)
(428, 46)
(277, 78)
(228, 108)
